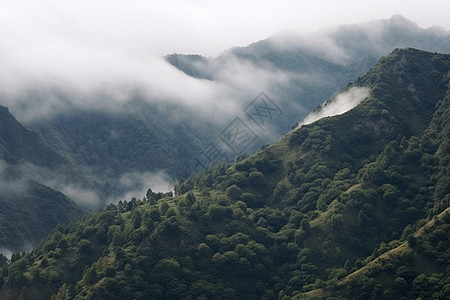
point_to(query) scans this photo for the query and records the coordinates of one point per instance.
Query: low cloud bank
(14, 178)
(137, 184)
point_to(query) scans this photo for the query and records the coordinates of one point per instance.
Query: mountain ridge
(298, 215)
(30, 209)
(15, 140)
(144, 136)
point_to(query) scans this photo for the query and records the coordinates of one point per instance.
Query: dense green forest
(350, 206)
(410, 269)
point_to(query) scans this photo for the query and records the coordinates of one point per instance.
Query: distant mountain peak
(401, 20)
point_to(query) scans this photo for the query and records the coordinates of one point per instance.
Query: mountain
(336, 208)
(30, 210)
(296, 72)
(19, 144)
(314, 66)
(139, 139)
(406, 270)
(28, 215)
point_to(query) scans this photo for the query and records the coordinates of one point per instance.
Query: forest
(350, 206)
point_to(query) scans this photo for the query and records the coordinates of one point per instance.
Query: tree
(164, 207)
(390, 193)
(85, 247)
(249, 199)
(3, 260)
(136, 220)
(256, 178)
(234, 192)
(63, 244)
(15, 256)
(190, 197)
(305, 224)
(62, 292)
(90, 275)
(150, 196)
(412, 241)
(155, 215)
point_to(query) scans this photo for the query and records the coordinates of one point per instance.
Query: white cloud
(137, 184)
(94, 50)
(340, 104)
(99, 53)
(141, 28)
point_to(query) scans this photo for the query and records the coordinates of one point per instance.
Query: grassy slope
(385, 268)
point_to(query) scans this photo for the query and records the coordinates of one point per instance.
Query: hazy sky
(140, 27)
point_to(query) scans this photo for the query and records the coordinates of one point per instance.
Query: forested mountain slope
(140, 134)
(317, 65)
(28, 215)
(139, 139)
(19, 144)
(97, 155)
(30, 210)
(299, 215)
(416, 268)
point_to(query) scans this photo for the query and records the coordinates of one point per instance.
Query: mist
(6, 252)
(36, 87)
(137, 184)
(131, 184)
(27, 247)
(55, 58)
(14, 179)
(103, 55)
(100, 54)
(11, 182)
(339, 104)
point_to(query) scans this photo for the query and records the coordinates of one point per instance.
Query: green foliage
(256, 178)
(234, 192)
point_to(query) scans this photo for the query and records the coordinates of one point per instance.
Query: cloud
(14, 182)
(37, 83)
(320, 43)
(338, 105)
(126, 186)
(6, 252)
(101, 53)
(11, 182)
(136, 184)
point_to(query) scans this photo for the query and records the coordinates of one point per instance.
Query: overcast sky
(140, 27)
